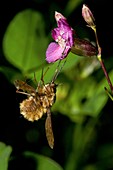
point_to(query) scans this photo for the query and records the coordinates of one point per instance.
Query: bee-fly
(39, 102)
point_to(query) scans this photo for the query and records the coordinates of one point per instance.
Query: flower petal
(54, 52)
(64, 37)
(59, 16)
(63, 34)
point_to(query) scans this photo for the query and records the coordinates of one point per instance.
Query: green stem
(101, 61)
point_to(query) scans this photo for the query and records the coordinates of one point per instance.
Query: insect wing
(21, 85)
(48, 129)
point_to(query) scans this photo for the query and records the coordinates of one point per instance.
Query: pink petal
(53, 52)
(59, 16)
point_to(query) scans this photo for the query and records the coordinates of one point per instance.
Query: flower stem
(101, 61)
(105, 73)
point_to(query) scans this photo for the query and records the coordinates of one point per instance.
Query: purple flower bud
(83, 48)
(88, 16)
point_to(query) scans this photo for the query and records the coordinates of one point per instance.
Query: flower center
(61, 42)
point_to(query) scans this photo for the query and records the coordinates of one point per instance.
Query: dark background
(14, 128)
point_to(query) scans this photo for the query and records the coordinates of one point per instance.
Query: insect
(39, 102)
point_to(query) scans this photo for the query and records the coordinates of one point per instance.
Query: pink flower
(64, 37)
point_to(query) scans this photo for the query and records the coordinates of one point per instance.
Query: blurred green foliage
(5, 152)
(43, 162)
(24, 34)
(80, 93)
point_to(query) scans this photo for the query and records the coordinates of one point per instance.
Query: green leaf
(72, 5)
(84, 96)
(43, 162)
(50, 69)
(24, 42)
(10, 73)
(5, 152)
(71, 61)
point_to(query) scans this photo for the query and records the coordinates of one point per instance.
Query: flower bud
(83, 48)
(88, 16)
